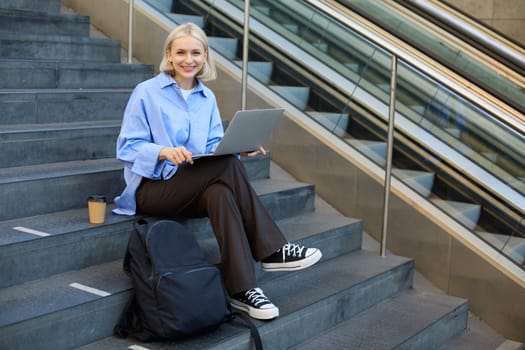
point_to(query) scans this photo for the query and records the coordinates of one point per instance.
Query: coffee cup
(97, 209)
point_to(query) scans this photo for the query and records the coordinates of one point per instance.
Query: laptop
(247, 131)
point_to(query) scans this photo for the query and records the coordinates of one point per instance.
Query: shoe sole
(259, 314)
(293, 265)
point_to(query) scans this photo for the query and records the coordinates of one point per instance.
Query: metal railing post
(130, 32)
(245, 53)
(390, 147)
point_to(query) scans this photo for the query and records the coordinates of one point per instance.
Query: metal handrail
(130, 31)
(446, 14)
(245, 47)
(390, 147)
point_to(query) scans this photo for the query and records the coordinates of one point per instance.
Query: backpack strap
(253, 329)
(139, 225)
(128, 323)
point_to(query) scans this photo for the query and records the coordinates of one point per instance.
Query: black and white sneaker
(291, 257)
(255, 303)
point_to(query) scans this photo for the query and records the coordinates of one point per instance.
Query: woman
(172, 116)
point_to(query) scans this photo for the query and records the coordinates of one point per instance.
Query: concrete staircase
(62, 284)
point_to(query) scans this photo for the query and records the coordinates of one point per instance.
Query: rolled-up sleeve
(135, 146)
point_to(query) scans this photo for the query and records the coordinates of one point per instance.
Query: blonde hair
(208, 71)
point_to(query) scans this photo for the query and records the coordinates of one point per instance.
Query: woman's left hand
(260, 150)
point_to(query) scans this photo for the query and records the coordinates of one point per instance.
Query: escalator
(470, 30)
(453, 145)
(496, 68)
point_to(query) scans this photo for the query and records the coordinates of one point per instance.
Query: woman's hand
(254, 153)
(176, 155)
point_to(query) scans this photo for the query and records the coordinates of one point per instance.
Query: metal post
(390, 147)
(130, 32)
(245, 53)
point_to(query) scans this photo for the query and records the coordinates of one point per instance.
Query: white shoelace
(291, 249)
(256, 297)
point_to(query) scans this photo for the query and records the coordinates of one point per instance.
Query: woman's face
(187, 56)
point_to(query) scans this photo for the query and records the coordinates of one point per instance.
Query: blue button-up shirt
(157, 116)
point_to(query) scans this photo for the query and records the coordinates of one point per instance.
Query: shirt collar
(167, 80)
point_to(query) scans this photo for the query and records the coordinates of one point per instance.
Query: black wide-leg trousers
(219, 188)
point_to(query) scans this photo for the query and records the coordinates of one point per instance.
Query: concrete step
(65, 317)
(48, 143)
(480, 336)
(354, 67)
(257, 167)
(49, 6)
(321, 46)
(337, 123)
(55, 47)
(262, 9)
(27, 244)
(419, 109)
(454, 131)
(421, 181)
(466, 213)
(294, 28)
(262, 71)
(28, 22)
(47, 188)
(375, 150)
(226, 46)
(40, 246)
(297, 95)
(44, 74)
(58, 230)
(61, 105)
(410, 320)
(163, 5)
(183, 18)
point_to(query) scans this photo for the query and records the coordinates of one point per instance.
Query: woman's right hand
(176, 155)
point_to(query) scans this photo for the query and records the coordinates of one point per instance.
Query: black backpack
(177, 292)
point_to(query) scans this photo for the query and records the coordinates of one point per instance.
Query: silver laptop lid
(247, 131)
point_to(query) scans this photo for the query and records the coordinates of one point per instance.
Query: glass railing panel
(300, 24)
(344, 51)
(468, 130)
(488, 190)
(354, 57)
(445, 51)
